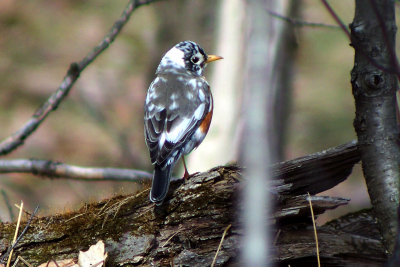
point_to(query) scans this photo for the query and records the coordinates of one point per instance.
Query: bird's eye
(195, 59)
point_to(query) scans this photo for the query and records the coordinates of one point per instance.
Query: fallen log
(187, 229)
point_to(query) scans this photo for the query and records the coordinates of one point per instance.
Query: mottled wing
(175, 106)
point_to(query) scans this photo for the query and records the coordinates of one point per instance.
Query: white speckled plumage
(177, 102)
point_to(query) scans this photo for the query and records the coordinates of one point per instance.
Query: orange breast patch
(205, 124)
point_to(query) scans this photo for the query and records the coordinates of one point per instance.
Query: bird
(177, 112)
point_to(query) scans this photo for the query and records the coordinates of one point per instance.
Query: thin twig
(77, 216)
(7, 202)
(301, 23)
(336, 18)
(277, 237)
(315, 229)
(19, 258)
(16, 139)
(52, 260)
(15, 242)
(27, 226)
(356, 45)
(53, 169)
(104, 206)
(16, 233)
(169, 239)
(220, 244)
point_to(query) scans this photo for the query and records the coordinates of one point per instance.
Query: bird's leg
(186, 175)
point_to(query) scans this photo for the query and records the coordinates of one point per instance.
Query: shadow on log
(187, 229)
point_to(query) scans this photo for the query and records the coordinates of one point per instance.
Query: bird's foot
(187, 175)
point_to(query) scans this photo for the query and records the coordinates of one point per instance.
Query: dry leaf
(94, 257)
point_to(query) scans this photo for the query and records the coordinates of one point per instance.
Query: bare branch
(392, 69)
(15, 140)
(336, 18)
(301, 23)
(6, 201)
(53, 169)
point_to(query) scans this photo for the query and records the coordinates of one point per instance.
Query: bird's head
(186, 56)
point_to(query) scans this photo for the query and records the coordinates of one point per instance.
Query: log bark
(187, 229)
(374, 88)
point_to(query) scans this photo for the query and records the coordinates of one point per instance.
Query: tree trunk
(262, 34)
(374, 89)
(284, 68)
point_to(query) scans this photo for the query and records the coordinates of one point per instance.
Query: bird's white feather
(177, 131)
(172, 59)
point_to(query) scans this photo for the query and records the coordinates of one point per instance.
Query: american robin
(177, 111)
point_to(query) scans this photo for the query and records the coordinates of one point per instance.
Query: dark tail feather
(160, 185)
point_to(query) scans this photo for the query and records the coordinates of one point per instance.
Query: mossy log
(187, 229)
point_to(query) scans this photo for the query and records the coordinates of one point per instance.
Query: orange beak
(211, 58)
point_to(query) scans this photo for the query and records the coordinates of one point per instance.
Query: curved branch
(301, 23)
(53, 169)
(16, 139)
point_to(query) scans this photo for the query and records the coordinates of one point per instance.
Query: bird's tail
(160, 185)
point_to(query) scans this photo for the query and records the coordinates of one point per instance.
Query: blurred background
(100, 123)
